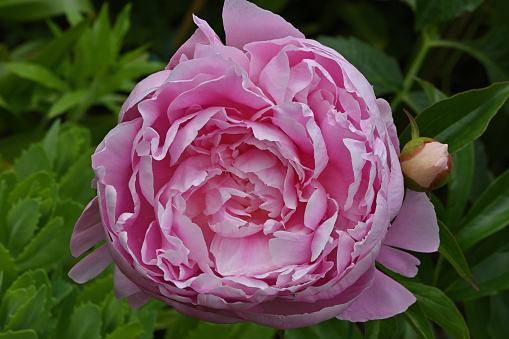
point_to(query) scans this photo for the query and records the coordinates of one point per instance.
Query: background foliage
(66, 66)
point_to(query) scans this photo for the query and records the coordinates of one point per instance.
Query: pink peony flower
(255, 181)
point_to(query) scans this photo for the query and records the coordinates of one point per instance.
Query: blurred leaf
(489, 214)
(86, 322)
(66, 102)
(23, 334)
(121, 28)
(31, 161)
(36, 73)
(383, 329)
(8, 268)
(498, 325)
(416, 317)
(382, 71)
(332, 328)
(460, 184)
(440, 309)
(450, 249)
(47, 247)
(128, 331)
(462, 118)
(482, 177)
(248, 330)
(478, 315)
(76, 183)
(27, 10)
(429, 11)
(73, 142)
(433, 93)
(112, 312)
(51, 140)
(21, 223)
(492, 276)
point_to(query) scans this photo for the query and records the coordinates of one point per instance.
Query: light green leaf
(430, 11)
(23, 334)
(250, 330)
(462, 118)
(85, 322)
(36, 73)
(28, 10)
(50, 141)
(440, 309)
(96, 291)
(121, 28)
(76, 183)
(382, 71)
(450, 249)
(24, 316)
(491, 275)
(32, 160)
(22, 222)
(112, 312)
(381, 329)
(132, 330)
(489, 214)
(460, 184)
(416, 317)
(66, 102)
(47, 248)
(8, 268)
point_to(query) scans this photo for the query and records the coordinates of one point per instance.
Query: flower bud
(426, 164)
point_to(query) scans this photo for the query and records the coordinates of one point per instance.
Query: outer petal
(88, 230)
(415, 227)
(398, 261)
(245, 22)
(384, 299)
(90, 266)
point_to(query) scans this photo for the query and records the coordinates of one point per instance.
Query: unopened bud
(426, 164)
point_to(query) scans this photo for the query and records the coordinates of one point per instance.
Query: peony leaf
(430, 11)
(450, 249)
(332, 328)
(36, 73)
(433, 93)
(489, 214)
(382, 329)
(477, 314)
(381, 70)
(460, 185)
(492, 276)
(462, 118)
(498, 325)
(440, 309)
(416, 317)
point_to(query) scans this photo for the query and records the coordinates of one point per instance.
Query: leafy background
(66, 66)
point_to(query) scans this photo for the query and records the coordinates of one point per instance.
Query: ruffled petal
(384, 299)
(415, 227)
(245, 22)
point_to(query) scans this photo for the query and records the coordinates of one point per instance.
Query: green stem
(413, 70)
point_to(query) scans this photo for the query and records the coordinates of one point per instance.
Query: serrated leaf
(382, 71)
(50, 141)
(128, 331)
(23, 334)
(416, 317)
(112, 312)
(96, 291)
(36, 73)
(430, 11)
(24, 316)
(450, 249)
(76, 183)
(491, 275)
(458, 188)
(85, 322)
(8, 267)
(31, 161)
(440, 309)
(73, 141)
(489, 214)
(462, 118)
(46, 248)
(31, 187)
(22, 222)
(66, 102)
(382, 329)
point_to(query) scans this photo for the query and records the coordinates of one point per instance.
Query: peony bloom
(255, 181)
(426, 164)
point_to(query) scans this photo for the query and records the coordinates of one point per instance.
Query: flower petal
(398, 261)
(90, 266)
(88, 230)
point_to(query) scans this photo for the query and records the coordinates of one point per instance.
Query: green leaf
(382, 71)
(36, 73)
(250, 330)
(66, 102)
(492, 276)
(96, 291)
(439, 308)
(460, 184)
(433, 93)
(28, 10)
(132, 330)
(112, 312)
(430, 11)
(24, 316)
(47, 248)
(478, 315)
(462, 118)
(498, 325)
(450, 249)
(50, 141)
(76, 183)
(8, 267)
(31, 161)
(489, 214)
(23, 334)
(121, 28)
(383, 329)
(416, 317)
(332, 328)
(22, 222)
(85, 322)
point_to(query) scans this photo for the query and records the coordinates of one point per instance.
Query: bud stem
(413, 125)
